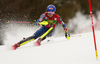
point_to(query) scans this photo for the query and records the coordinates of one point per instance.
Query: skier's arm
(62, 23)
(40, 19)
(65, 29)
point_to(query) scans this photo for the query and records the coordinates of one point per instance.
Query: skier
(48, 22)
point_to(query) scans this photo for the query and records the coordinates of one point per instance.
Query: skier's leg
(26, 40)
(50, 30)
(38, 33)
(22, 42)
(49, 34)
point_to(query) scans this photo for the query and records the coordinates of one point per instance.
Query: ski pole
(93, 29)
(75, 36)
(19, 22)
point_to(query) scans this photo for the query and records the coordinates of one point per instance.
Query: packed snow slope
(76, 50)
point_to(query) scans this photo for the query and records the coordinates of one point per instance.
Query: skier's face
(51, 13)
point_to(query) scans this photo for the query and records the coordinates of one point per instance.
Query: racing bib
(51, 22)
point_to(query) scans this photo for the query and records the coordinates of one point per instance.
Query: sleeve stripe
(62, 23)
(40, 19)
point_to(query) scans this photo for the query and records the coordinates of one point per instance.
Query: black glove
(67, 35)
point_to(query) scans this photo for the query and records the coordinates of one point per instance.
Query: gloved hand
(43, 23)
(66, 34)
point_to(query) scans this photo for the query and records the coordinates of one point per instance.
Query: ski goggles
(50, 12)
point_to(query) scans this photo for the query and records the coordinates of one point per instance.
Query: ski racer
(48, 22)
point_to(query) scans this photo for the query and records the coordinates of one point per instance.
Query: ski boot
(15, 46)
(38, 42)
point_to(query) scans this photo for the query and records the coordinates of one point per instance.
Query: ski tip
(13, 48)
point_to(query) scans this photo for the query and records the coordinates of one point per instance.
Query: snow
(80, 22)
(59, 50)
(76, 50)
